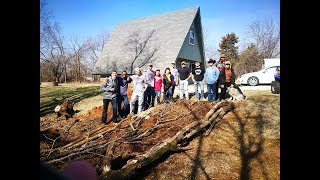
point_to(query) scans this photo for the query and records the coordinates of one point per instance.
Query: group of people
(149, 85)
(216, 77)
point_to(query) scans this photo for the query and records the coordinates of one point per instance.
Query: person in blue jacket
(277, 75)
(211, 76)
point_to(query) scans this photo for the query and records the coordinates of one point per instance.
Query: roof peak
(165, 13)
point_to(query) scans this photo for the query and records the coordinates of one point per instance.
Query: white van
(270, 62)
(264, 76)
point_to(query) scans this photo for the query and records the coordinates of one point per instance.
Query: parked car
(264, 76)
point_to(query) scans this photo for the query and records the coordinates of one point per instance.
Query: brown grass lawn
(245, 144)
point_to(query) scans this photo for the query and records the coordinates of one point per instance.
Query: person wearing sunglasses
(184, 75)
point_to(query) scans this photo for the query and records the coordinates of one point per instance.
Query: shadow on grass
(196, 161)
(59, 95)
(250, 145)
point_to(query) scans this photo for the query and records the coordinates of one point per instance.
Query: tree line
(66, 59)
(265, 43)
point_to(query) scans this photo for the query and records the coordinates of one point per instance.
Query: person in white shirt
(139, 87)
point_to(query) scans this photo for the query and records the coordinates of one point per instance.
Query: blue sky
(219, 17)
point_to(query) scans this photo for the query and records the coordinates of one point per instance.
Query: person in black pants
(227, 79)
(220, 66)
(110, 89)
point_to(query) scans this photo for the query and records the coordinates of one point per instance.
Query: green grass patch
(50, 97)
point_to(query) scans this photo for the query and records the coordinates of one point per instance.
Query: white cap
(137, 69)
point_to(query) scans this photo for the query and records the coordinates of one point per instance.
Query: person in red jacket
(158, 85)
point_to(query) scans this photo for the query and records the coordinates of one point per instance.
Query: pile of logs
(138, 140)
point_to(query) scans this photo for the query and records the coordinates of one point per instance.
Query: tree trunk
(65, 71)
(65, 109)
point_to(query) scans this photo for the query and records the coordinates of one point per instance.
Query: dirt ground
(245, 144)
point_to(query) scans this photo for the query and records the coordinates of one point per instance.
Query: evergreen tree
(228, 46)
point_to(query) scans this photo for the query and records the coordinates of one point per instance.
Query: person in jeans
(168, 83)
(184, 75)
(139, 87)
(122, 96)
(211, 76)
(110, 88)
(158, 85)
(149, 94)
(197, 77)
(175, 73)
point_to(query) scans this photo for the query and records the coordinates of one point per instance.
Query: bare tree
(78, 49)
(249, 61)
(266, 36)
(45, 14)
(46, 17)
(64, 59)
(96, 45)
(142, 50)
(210, 49)
(53, 51)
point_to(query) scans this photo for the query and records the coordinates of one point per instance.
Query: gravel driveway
(258, 88)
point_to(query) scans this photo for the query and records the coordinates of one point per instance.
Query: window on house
(191, 37)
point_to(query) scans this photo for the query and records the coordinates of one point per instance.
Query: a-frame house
(159, 40)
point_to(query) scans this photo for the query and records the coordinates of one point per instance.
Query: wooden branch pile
(140, 140)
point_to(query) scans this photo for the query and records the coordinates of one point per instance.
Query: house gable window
(191, 37)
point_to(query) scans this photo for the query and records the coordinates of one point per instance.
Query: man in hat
(222, 56)
(197, 77)
(184, 75)
(211, 76)
(220, 66)
(175, 73)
